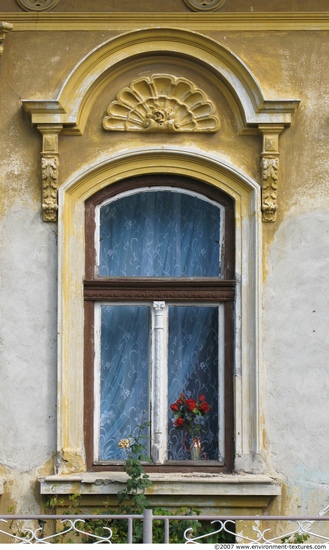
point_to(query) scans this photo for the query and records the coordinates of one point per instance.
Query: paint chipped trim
(119, 21)
(163, 484)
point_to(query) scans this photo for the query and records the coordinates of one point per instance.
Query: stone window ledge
(110, 483)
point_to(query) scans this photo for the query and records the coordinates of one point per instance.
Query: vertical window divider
(97, 380)
(159, 382)
(221, 384)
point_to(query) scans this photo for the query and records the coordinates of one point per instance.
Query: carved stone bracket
(161, 103)
(49, 171)
(4, 29)
(270, 170)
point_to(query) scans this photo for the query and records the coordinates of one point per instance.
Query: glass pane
(193, 370)
(123, 375)
(159, 234)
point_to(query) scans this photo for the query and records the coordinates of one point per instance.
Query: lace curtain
(159, 234)
(193, 370)
(166, 234)
(124, 375)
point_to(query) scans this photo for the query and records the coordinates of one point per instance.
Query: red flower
(187, 413)
(179, 422)
(180, 400)
(191, 404)
(204, 407)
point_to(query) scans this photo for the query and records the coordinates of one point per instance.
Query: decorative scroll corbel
(49, 171)
(270, 170)
(4, 29)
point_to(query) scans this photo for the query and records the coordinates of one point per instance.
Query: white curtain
(159, 233)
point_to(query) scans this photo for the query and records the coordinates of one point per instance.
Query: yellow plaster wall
(96, 144)
(177, 6)
(35, 64)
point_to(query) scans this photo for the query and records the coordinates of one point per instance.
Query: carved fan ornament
(204, 5)
(37, 5)
(161, 103)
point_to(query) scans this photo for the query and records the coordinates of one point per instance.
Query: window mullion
(159, 382)
(97, 379)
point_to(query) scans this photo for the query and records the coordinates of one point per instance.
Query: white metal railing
(149, 528)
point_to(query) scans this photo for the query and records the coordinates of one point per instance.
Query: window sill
(110, 483)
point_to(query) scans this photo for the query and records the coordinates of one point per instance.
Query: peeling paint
(290, 437)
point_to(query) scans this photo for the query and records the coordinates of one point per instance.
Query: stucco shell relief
(162, 103)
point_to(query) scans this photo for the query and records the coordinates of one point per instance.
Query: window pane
(159, 234)
(123, 375)
(193, 370)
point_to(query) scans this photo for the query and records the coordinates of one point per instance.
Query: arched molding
(247, 379)
(253, 113)
(96, 70)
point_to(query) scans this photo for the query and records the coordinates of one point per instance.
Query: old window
(159, 301)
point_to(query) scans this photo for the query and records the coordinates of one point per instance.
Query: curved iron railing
(227, 530)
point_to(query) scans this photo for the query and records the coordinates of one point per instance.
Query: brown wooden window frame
(137, 289)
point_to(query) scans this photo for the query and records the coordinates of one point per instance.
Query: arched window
(159, 298)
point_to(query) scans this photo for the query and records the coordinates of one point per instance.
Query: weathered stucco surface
(296, 346)
(294, 299)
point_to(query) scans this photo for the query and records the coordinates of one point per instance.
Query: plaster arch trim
(248, 377)
(194, 158)
(95, 70)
